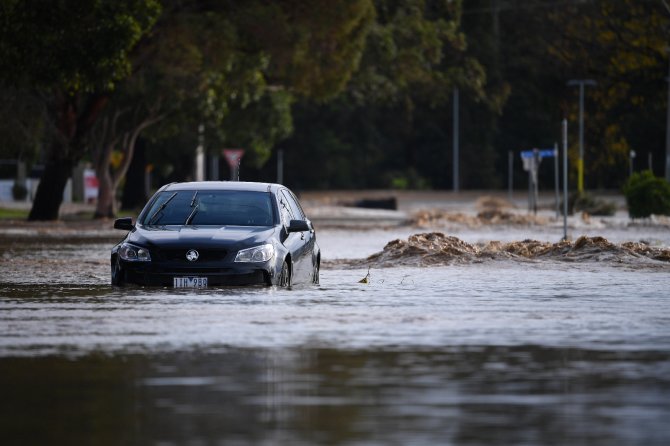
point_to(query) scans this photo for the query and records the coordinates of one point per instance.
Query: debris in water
(436, 248)
(365, 279)
(485, 217)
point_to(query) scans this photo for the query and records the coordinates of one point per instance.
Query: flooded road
(495, 352)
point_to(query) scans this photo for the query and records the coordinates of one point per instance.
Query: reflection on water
(474, 396)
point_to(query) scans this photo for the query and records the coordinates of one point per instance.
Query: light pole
(455, 142)
(667, 129)
(580, 162)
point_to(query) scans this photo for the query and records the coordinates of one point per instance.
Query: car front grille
(179, 255)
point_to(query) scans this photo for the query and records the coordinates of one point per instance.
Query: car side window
(296, 210)
(285, 210)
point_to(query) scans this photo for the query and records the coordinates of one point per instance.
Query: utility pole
(199, 174)
(580, 162)
(565, 178)
(280, 166)
(455, 132)
(510, 175)
(667, 128)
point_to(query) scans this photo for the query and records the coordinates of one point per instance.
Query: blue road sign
(542, 153)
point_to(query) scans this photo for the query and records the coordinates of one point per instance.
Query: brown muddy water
(570, 346)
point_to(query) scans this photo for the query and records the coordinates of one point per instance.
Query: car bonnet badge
(192, 255)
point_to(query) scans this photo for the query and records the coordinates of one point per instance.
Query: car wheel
(315, 274)
(117, 275)
(284, 276)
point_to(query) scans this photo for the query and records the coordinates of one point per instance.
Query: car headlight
(133, 253)
(261, 253)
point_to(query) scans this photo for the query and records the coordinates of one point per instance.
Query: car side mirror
(125, 223)
(297, 226)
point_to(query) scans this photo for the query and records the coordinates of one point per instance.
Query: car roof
(222, 185)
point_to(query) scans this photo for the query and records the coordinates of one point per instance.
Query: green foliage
(23, 124)
(74, 45)
(416, 49)
(622, 45)
(388, 127)
(259, 126)
(363, 86)
(237, 66)
(313, 47)
(647, 195)
(409, 179)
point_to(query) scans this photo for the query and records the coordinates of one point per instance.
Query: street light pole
(667, 129)
(456, 140)
(580, 162)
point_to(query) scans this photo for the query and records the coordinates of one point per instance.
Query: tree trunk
(105, 207)
(73, 123)
(49, 194)
(135, 194)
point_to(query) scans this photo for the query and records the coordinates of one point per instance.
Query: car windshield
(211, 207)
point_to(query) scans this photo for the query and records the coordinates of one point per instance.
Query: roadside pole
(280, 166)
(510, 175)
(199, 174)
(536, 180)
(556, 182)
(456, 141)
(565, 179)
(580, 162)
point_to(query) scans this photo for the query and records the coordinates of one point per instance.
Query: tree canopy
(357, 93)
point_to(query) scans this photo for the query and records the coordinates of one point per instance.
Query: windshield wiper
(160, 208)
(194, 200)
(192, 214)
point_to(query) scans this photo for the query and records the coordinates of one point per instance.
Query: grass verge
(13, 214)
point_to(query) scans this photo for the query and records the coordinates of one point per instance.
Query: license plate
(189, 282)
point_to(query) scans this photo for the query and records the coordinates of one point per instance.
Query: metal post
(536, 185)
(280, 166)
(455, 131)
(565, 179)
(199, 174)
(580, 162)
(558, 205)
(214, 167)
(530, 189)
(632, 163)
(667, 129)
(510, 178)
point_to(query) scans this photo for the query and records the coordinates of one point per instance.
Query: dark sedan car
(210, 233)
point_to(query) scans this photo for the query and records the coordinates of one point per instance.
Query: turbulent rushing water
(503, 351)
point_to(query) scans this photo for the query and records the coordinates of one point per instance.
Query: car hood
(200, 236)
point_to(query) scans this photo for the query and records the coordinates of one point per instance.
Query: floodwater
(502, 351)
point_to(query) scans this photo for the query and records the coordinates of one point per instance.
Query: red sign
(233, 156)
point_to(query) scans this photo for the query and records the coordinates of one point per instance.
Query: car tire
(117, 275)
(284, 276)
(315, 274)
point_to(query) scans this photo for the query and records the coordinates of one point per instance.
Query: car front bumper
(234, 274)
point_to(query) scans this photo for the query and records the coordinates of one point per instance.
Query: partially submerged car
(212, 233)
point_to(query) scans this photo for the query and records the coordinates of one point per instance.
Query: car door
(308, 238)
(294, 241)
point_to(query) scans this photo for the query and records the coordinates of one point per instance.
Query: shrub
(19, 192)
(647, 195)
